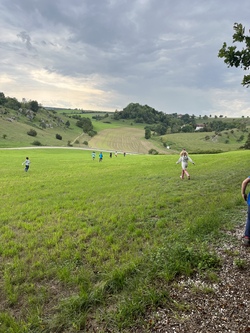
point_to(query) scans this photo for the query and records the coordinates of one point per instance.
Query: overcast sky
(105, 54)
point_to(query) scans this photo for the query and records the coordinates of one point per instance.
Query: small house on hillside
(199, 127)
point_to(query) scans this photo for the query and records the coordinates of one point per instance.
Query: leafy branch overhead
(236, 57)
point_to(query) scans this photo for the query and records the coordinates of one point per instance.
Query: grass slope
(128, 139)
(15, 126)
(89, 246)
(124, 135)
(206, 141)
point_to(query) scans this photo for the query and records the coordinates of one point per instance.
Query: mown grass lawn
(90, 245)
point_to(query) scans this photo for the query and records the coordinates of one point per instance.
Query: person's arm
(179, 160)
(243, 188)
(190, 159)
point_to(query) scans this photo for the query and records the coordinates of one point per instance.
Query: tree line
(161, 123)
(14, 104)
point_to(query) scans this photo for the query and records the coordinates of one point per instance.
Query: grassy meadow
(89, 246)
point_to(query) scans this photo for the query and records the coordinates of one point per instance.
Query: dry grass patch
(123, 139)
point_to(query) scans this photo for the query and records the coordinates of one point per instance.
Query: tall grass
(90, 245)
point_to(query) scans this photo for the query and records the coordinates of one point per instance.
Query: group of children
(101, 155)
(184, 159)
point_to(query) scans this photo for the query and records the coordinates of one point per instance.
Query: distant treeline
(162, 123)
(14, 104)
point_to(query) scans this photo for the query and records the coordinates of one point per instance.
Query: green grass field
(206, 141)
(90, 246)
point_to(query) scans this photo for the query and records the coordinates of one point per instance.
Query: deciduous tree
(234, 56)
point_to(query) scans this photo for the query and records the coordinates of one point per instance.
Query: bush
(85, 143)
(212, 151)
(92, 133)
(241, 138)
(4, 136)
(70, 144)
(153, 152)
(58, 136)
(43, 125)
(32, 132)
(36, 143)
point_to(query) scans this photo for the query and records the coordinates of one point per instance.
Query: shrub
(4, 136)
(241, 138)
(85, 143)
(153, 152)
(43, 125)
(58, 136)
(70, 144)
(92, 133)
(247, 144)
(36, 143)
(32, 132)
(147, 133)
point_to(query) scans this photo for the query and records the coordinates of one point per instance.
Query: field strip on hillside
(124, 139)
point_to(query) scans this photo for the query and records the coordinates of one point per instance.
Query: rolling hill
(112, 135)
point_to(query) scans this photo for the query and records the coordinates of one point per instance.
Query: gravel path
(221, 306)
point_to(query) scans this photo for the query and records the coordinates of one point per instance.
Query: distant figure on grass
(110, 154)
(93, 155)
(246, 237)
(116, 154)
(184, 159)
(27, 164)
(100, 157)
(124, 154)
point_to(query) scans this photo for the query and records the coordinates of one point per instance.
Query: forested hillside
(162, 123)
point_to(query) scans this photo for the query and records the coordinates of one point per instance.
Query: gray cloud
(106, 54)
(26, 39)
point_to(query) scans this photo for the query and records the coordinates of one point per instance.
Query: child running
(184, 159)
(27, 164)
